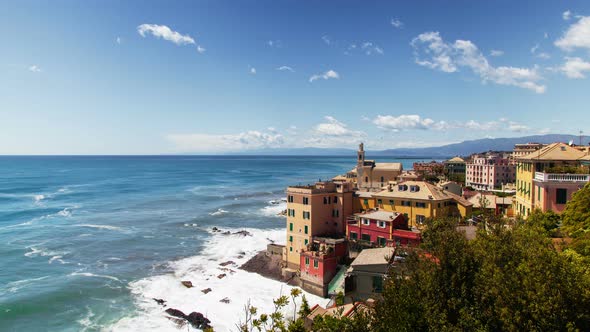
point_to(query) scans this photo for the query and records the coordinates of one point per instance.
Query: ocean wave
(219, 211)
(202, 270)
(92, 275)
(14, 286)
(108, 227)
(274, 209)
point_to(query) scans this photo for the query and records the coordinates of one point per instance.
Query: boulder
(225, 300)
(187, 284)
(226, 233)
(243, 233)
(175, 313)
(206, 290)
(227, 263)
(198, 321)
(160, 301)
(221, 276)
(215, 229)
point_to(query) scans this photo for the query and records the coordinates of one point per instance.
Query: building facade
(455, 169)
(319, 264)
(488, 172)
(371, 175)
(315, 210)
(377, 228)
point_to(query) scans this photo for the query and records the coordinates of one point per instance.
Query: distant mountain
(464, 148)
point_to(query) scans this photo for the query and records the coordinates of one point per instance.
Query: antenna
(581, 137)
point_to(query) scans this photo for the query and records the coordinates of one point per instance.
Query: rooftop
(425, 191)
(388, 166)
(376, 256)
(455, 160)
(379, 215)
(554, 151)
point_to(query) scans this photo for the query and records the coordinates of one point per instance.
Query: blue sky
(112, 77)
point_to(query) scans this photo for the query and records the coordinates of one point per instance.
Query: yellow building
(541, 182)
(417, 200)
(371, 175)
(315, 210)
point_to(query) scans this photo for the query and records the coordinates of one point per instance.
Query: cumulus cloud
(370, 48)
(330, 74)
(496, 53)
(119, 40)
(34, 69)
(577, 35)
(164, 32)
(207, 143)
(285, 68)
(575, 67)
(543, 56)
(567, 15)
(397, 23)
(201, 49)
(407, 121)
(326, 40)
(431, 51)
(333, 133)
(252, 70)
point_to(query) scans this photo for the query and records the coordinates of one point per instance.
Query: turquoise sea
(86, 242)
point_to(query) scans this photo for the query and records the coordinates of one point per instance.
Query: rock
(243, 233)
(198, 321)
(227, 263)
(225, 300)
(240, 256)
(206, 290)
(242, 253)
(187, 284)
(160, 301)
(215, 229)
(175, 313)
(226, 233)
(271, 241)
(221, 276)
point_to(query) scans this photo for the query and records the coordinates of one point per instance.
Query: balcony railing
(553, 177)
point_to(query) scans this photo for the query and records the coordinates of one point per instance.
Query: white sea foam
(202, 271)
(108, 227)
(274, 209)
(57, 258)
(219, 211)
(38, 198)
(13, 287)
(92, 275)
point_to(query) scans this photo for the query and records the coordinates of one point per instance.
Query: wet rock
(187, 284)
(226, 233)
(221, 276)
(271, 241)
(242, 253)
(215, 229)
(243, 233)
(240, 256)
(160, 301)
(198, 321)
(225, 300)
(175, 313)
(227, 263)
(206, 290)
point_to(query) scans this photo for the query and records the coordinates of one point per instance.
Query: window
(366, 179)
(335, 199)
(539, 193)
(382, 179)
(377, 284)
(305, 229)
(290, 238)
(414, 188)
(326, 200)
(306, 261)
(380, 202)
(306, 241)
(335, 213)
(306, 215)
(381, 224)
(402, 187)
(291, 249)
(381, 241)
(366, 237)
(290, 199)
(420, 204)
(366, 201)
(315, 263)
(391, 202)
(354, 235)
(305, 200)
(406, 203)
(291, 226)
(561, 196)
(420, 218)
(366, 221)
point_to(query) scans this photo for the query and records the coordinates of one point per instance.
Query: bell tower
(361, 155)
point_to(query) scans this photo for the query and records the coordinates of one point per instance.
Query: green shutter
(291, 227)
(306, 229)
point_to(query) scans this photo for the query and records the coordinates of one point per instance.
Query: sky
(206, 77)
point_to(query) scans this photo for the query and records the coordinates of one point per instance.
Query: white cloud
(285, 68)
(567, 15)
(252, 70)
(119, 40)
(164, 32)
(333, 133)
(546, 35)
(431, 51)
(543, 56)
(516, 127)
(535, 48)
(330, 74)
(326, 40)
(407, 121)
(575, 67)
(34, 69)
(496, 53)
(204, 143)
(274, 43)
(370, 48)
(577, 35)
(201, 49)
(397, 23)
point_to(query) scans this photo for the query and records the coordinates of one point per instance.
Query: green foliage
(567, 169)
(548, 221)
(576, 217)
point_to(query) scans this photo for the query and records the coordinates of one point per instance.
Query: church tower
(361, 155)
(360, 162)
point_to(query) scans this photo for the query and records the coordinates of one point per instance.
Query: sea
(88, 242)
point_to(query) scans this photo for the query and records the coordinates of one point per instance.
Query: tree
(548, 221)
(576, 216)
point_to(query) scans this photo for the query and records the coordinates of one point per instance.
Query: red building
(319, 264)
(381, 228)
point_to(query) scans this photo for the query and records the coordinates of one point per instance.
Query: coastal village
(344, 235)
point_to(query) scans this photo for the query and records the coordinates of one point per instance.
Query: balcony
(568, 177)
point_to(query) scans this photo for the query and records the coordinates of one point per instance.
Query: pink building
(489, 172)
(377, 228)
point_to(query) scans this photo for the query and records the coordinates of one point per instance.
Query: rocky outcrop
(187, 284)
(221, 276)
(206, 290)
(225, 300)
(243, 233)
(160, 302)
(196, 319)
(227, 263)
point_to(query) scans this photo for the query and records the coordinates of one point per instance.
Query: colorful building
(319, 263)
(547, 178)
(418, 201)
(315, 210)
(491, 171)
(429, 168)
(371, 175)
(380, 228)
(367, 273)
(455, 169)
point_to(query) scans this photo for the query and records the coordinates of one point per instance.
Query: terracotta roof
(375, 256)
(426, 191)
(554, 151)
(455, 160)
(389, 166)
(379, 215)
